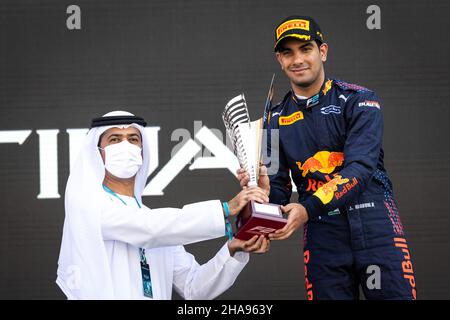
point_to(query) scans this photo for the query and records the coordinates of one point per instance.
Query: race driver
(330, 141)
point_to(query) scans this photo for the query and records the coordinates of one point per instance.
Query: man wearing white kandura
(115, 247)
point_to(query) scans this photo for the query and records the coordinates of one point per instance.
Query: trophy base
(259, 219)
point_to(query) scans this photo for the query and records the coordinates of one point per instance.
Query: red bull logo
(408, 272)
(347, 187)
(314, 185)
(326, 192)
(323, 161)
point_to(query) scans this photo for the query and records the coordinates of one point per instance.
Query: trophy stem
(252, 184)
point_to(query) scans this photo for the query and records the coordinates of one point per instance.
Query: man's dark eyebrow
(306, 45)
(114, 135)
(134, 134)
(285, 49)
(301, 47)
(121, 135)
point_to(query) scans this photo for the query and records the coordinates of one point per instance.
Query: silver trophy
(246, 138)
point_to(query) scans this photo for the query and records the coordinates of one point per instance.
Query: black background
(174, 62)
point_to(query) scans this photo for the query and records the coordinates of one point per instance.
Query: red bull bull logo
(323, 161)
(326, 192)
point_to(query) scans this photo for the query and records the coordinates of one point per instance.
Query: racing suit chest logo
(288, 120)
(328, 190)
(323, 161)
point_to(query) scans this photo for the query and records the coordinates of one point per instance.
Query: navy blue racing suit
(331, 146)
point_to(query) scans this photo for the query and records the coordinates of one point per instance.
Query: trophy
(246, 138)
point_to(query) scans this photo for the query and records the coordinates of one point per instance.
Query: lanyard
(145, 269)
(141, 251)
(115, 195)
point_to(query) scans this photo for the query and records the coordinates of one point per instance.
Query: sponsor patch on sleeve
(370, 104)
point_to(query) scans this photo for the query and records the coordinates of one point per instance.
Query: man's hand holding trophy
(246, 139)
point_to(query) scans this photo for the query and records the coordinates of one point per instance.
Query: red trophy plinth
(257, 218)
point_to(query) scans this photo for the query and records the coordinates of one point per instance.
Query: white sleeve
(206, 281)
(151, 228)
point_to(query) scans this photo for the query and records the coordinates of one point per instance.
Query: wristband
(228, 227)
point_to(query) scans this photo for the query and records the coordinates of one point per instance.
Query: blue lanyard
(141, 251)
(115, 195)
(145, 269)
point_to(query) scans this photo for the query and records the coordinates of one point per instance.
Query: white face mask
(123, 159)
